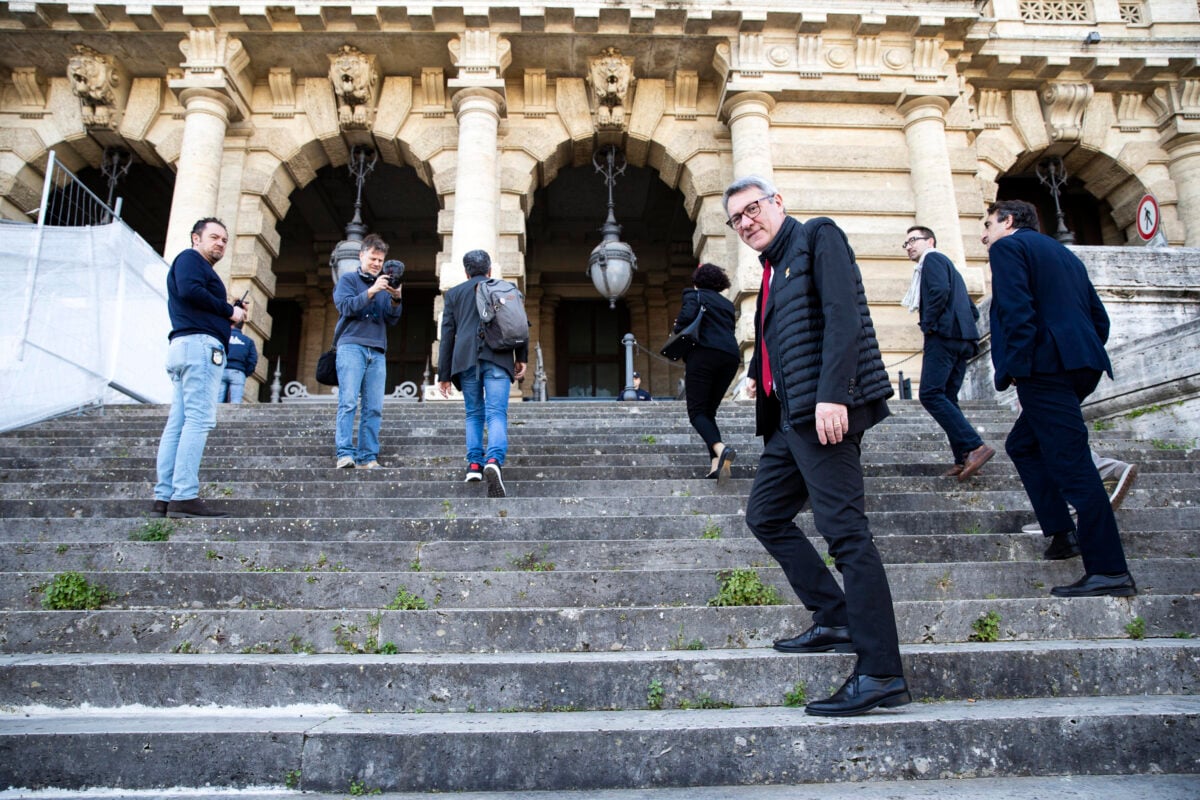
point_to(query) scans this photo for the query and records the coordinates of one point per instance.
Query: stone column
(199, 174)
(477, 184)
(1184, 166)
(932, 180)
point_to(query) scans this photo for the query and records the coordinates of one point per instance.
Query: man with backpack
(482, 360)
(818, 379)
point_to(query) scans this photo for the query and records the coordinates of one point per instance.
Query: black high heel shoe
(722, 473)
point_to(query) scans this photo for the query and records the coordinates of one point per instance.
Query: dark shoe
(159, 509)
(1062, 546)
(727, 457)
(191, 508)
(975, 460)
(1120, 483)
(861, 693)
(474, 473)
(495, 480)
(817, 639)
(1098, 586)
(953, 471)
(712, 476)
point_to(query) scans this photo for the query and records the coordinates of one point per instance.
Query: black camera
(394, 270)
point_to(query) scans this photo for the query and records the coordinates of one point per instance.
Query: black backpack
(501, 307)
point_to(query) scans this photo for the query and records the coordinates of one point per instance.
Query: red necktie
(764, 362)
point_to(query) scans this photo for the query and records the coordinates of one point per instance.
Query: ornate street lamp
(344, 257)
(612, 262)
(1053, 175)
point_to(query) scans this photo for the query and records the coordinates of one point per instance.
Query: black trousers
(1048, 445)
(707, 377)
(793, 469)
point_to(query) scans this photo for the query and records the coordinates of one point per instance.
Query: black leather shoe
(159, 509)
(191, 508)
(1062, 546)
(861, 693)
(817, 639)
(722, 470)
(1098, 585)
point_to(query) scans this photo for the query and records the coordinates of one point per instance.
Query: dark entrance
(591, 358)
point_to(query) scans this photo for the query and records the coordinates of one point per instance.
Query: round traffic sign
(1147, 217)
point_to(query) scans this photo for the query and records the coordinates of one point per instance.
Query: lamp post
(612, 262)
(1053, 175)
(114, 165)
(344, 257)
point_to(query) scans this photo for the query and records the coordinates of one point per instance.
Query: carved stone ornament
(94, 79)
(611, 78)
(1063, 105)
(354, 78)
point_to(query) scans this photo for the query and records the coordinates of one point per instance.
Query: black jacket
(818, 330)
(716, 329)
(196, 298)
(462, 345)
(946, 308)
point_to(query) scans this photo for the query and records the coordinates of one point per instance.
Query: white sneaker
(495, 481)
(372, 464)
(1121, 478)
(345, 462)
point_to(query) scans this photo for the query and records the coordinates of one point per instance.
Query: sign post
(1148, 222)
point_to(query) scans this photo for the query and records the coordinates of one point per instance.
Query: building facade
(480, 124)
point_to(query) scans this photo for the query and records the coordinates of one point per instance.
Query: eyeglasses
(752, 211)
(910, 240)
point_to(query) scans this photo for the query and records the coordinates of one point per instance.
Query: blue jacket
(462, 345)
(364, 320)
(946, 308)
(241, 354)
(196, 298)
(1046, 316)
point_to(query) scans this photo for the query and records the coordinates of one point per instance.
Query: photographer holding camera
(368, 301)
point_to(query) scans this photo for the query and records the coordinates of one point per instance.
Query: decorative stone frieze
(433, 87)
(751, 55)
(808, 55)
(687, 87)
(355, 80)
(991, 108)
(97, 80)
(283, 92)
(535, 93)
(927, 58)
(867, 58)
(1063, 105)
(1129, 111)
(28, 83)
(611, 77)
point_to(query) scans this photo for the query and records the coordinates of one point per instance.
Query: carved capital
(98, 81)
(218, 62)
(355, 80)
(480, 55)
(283, 92)
(535, 93)
(1063, 105)
(611, 77)
(433, 87)
(687, 88)
(991, 108)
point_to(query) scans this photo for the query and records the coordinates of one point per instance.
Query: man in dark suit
(818, 380)
(1048, 333)
(482, 374)
(948, 322)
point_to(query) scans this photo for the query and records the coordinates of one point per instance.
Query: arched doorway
(145, 194)
(585, 357)
(1089, 219)
(397, 206)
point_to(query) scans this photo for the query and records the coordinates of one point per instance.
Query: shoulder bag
(680, 344)
(327, 363)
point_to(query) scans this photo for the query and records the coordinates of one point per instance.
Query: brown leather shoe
(953, 471)
(975, 460)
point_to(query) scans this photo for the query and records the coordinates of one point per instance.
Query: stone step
(581, 681)
(455, 526)
(504, 586)
(624, 749)
(729, 548)
(564, 629)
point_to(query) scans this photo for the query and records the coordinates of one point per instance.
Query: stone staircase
(568, 644)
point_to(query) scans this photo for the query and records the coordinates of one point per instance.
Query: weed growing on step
(944, 583)
(62, 549)
(655, 695)
(448, 510)
(70, 591)
(1136, 629)
(260, 649)
(711, 530)
(649, 439)
(155, 530)
(531, 563)
(1151, 409)
(743, 587)
(679, 644)
(291, 780)
(973, 530)
(1163, 444)
(359, 789)
(184, 647)
(797, 697)
(299, 646)
(1182, 635)
(987, 628)
(703, 701)
(1103, 425)
(407, 601)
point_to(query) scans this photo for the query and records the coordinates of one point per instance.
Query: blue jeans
(232, 386)
(362, 372)
(485, 394)
(942, 371)
(193, 414)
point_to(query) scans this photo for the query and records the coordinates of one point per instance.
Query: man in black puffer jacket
(818, 380)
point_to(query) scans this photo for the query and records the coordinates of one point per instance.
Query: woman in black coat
(713, 363)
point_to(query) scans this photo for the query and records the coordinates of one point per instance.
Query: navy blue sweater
(196, 298)
(364, 320)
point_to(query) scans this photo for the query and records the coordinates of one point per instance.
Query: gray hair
(748, 182)
(477, 262)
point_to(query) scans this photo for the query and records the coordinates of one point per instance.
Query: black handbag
(327, 363)
(680, 344)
